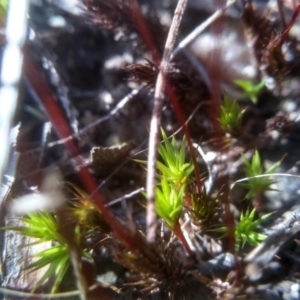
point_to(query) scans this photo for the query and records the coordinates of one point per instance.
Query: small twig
(155, 121)
(261, 176)
(113, 112)
(125, 197)
(10, 292)
(209, 183)
(194, 34)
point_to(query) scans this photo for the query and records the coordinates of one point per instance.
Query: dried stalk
(155, 121)
(199, 29)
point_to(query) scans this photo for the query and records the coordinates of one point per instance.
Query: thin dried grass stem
(195, 33)
(155, 121)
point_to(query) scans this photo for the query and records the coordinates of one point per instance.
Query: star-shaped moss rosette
(44, 227)
(250, 90)
(256, 184)
(168, 202)
(246, 229)
(230, 116)
(173, 166)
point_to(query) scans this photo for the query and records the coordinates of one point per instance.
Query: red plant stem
(284, 36)
(63, 129)
(257, 201)
(281, 12)
(178, 232)
(228, 217)
(180, 117)
(215, 57)
(215, 70)
(144, 31)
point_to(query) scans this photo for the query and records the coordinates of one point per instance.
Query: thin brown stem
(281, 12)
(285, 34)
(143, 29)
(155, 121)
(178, 232)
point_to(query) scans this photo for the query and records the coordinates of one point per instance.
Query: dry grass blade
(155, 121)
(192, 36)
